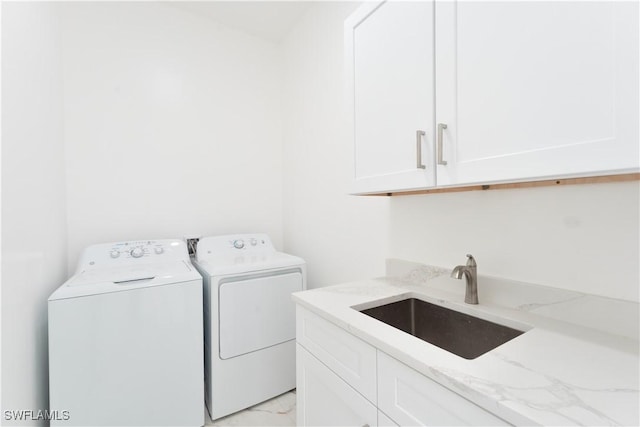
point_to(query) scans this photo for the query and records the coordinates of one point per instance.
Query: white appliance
(249, 320)
(125, 338)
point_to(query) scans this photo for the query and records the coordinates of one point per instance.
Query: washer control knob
(137, 252)
(114, 253)
(238, 244)
(159, 250)
(254, 241)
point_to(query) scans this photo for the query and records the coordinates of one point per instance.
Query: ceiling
(270, 20)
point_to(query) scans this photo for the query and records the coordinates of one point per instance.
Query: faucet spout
(470, 273)
(458, 272)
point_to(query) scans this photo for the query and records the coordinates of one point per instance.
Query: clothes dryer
(249, 320)
(125, 338)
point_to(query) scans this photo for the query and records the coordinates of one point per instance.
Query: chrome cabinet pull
(441, 127)
(419, 135)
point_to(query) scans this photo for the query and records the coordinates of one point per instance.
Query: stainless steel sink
(461, 334)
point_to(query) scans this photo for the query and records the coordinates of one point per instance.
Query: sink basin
(458, 333)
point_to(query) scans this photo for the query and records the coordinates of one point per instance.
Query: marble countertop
(576, 364)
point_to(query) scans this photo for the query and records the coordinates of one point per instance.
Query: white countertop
(576, 364)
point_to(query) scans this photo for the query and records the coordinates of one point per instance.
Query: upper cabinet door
(389, 53)
(529, 90)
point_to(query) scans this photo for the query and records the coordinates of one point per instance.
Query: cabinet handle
(441, 127)
(419, 135)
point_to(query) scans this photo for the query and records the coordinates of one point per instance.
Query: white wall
(341, 237)
(172, 126)
(33, 198)
(582, 237)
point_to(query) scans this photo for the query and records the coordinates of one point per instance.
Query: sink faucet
(470, 272)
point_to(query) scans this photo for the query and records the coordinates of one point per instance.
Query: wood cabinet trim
(511, 185)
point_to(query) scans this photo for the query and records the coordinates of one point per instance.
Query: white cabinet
(411, 399)
(342, 380)
(349, 357)
(528, 90)
(324, 399)
(389, 60)
(536, 89)
(335, 375)
(384, 421)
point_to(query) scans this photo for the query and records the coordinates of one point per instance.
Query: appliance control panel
(134, 252)
(234, 244)
(139, 249)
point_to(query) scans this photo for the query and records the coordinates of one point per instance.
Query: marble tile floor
(279, 411)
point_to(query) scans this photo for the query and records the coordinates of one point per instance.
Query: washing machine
(249, 320)
(125, 338)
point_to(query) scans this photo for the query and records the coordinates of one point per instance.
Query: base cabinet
(324, 399)
(344, 381)
(384, 421)
(411, 399)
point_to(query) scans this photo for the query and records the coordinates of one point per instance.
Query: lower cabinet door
(324, 399)
(411, 399)
(384, 421)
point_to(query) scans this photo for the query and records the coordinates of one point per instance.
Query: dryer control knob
(159, 250)
(254, 242)
(114, 253)
(238, 244)
(136, 252)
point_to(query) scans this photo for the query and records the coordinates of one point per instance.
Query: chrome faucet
(470, 272)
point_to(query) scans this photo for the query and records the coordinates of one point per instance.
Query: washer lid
(239, 263)
(117, 279)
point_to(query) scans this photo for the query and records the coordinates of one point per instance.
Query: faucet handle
(471, 261)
